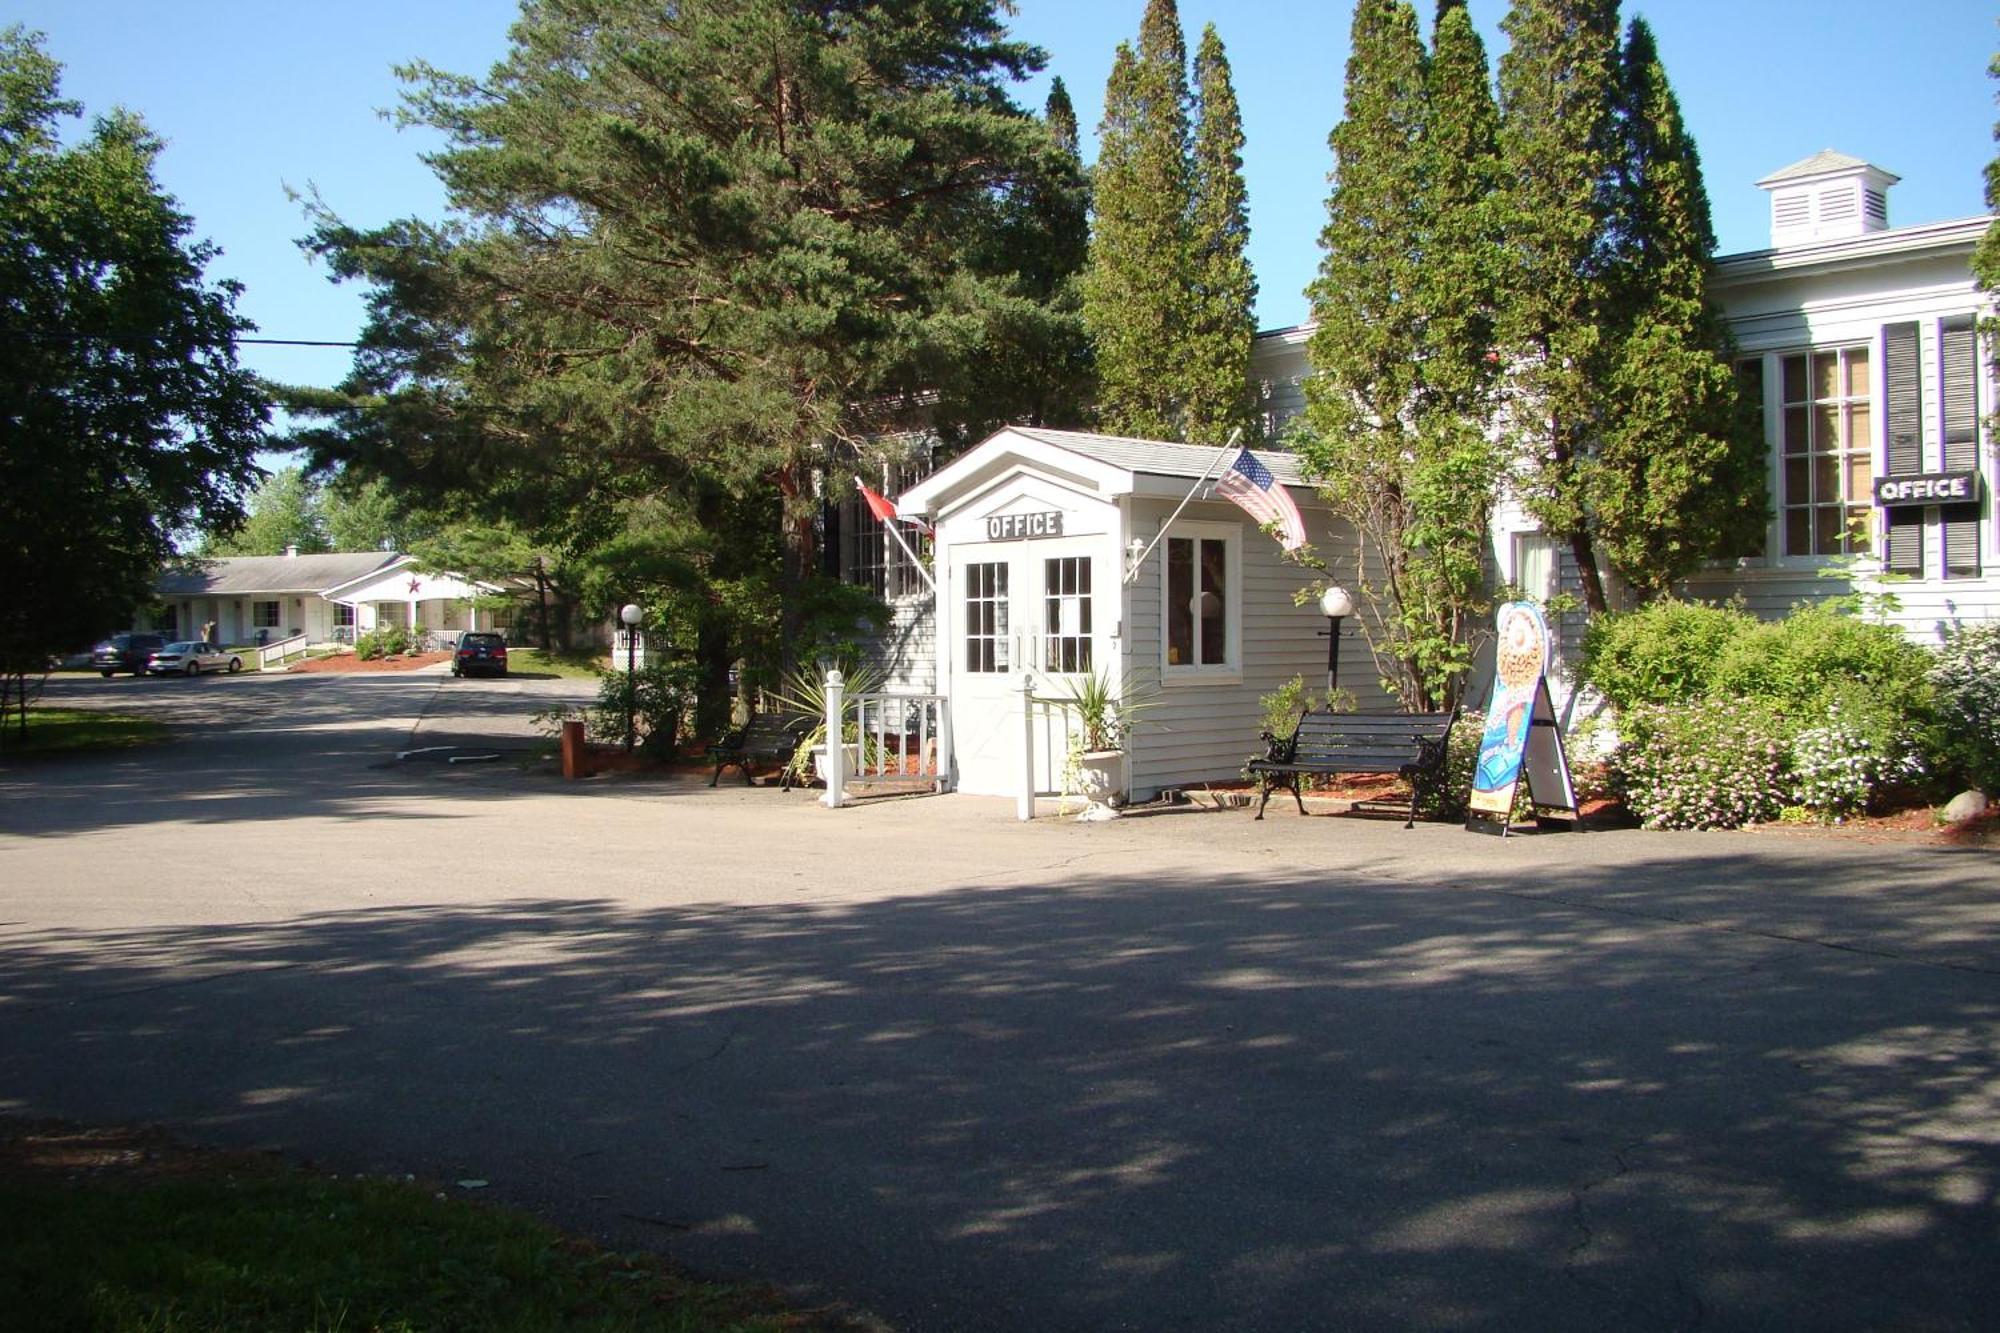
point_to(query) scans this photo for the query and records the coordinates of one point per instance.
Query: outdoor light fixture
(631, 615)
(1337, 605)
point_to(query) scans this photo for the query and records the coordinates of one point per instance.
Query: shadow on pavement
(1336, 1100)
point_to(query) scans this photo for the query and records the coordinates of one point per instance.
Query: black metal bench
(767, 737)
(1410, 745)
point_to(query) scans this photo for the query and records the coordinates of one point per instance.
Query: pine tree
(1138, 291)
(1396, 408)
(1217, 349)
(1678, 476)
(1559, 146)
(1986, 259)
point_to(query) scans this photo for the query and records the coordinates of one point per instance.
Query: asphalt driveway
(1184, 1071)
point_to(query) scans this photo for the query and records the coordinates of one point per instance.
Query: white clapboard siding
(1205, 733)
(906, 650)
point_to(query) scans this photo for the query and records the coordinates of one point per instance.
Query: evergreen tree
(1678, 475)
(1559, 145)
(1139, 291)
(1217, 345)
(1396, 408)
(693, 246)
(1986, 259)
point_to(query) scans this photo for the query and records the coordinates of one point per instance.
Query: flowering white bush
(1712, 763)
(1837, 766)
(1966, 675)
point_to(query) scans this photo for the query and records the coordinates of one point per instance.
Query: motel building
(1060, 553)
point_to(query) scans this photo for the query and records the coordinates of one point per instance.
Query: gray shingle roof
(1819, 164)
(242, 575)
(1158, 457)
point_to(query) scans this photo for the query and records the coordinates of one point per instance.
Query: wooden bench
(767, 737)
(1410, 745)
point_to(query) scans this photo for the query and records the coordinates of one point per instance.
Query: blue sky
(255, 96)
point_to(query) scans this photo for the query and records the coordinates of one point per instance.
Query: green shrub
(1719, 763)
(661, 694)
(1965, 675)
(370, 646)
(1663, 653)
(1810, 658)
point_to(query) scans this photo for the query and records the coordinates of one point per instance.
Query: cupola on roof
(1828, 196)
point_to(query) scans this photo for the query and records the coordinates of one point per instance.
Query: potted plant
(805, 695)
(1105, 712)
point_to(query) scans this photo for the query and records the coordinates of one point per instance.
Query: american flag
(1250, 484)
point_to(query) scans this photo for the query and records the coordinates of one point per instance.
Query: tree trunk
(542, 592)
(1586, 570)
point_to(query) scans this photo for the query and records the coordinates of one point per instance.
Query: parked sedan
(191, 658)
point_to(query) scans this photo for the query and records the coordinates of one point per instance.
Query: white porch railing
(903, 741)
(279, 650)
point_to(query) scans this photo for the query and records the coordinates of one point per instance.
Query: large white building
(1860, 339)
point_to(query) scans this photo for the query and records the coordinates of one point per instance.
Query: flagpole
(918, 564)
(1200, 481)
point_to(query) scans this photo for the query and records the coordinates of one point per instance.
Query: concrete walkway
(1185, 1071)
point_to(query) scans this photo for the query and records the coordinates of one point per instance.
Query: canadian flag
(884, 508)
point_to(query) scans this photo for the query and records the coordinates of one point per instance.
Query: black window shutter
(1902, 384)
(1958, 364)
(1902, 389)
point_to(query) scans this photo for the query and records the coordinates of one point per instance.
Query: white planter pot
(850, 760)
(1100, 780)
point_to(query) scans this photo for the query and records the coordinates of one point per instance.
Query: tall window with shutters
(1828, 443)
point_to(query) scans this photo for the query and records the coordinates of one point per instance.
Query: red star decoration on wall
(414, 585)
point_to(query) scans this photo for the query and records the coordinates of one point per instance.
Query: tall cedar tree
(694, 246)
(124, 417)
(1986, 259)
(1628, 439)
(1219, 398)
(1139, 291)
(1678, 475)
(1559, 143)
(1397, 407)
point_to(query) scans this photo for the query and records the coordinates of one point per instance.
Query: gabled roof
(1824, 162)
(243, 575)
(1160, 458)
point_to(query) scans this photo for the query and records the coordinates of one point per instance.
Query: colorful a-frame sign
(1522, 739)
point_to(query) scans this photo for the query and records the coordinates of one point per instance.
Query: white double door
(1043, 609)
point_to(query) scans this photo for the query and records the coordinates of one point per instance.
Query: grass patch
(77, 731)
(554, 662)
(117, 1231)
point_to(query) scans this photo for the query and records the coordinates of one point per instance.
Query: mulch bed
(348, 662)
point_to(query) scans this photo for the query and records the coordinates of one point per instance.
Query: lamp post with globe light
(630, 614)
(1337, 605)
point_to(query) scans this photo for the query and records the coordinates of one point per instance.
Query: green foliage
(1719, 763)
(660, 695)
(1395, 433)
(389, 641)
(1966, 678)
(1849, 706)
(1986, 258)
(1667, 652)
(1217, 345)
(237, 1246)
(1107, 711)
(1283, 706)
(1844, 763)
(690, 246)
(1815, 656)
(124, 418)
(284, 510)
(804, 695)
(1628, 439)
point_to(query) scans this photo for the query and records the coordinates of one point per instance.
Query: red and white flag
(1250, 484)
(884, 508)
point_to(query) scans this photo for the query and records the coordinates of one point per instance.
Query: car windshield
(179, 648)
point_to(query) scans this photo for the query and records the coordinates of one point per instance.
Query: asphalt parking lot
(1176, 1071)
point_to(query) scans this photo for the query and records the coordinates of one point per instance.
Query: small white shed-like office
(1037, 535)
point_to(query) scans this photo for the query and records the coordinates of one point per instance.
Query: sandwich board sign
(1522, 739)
